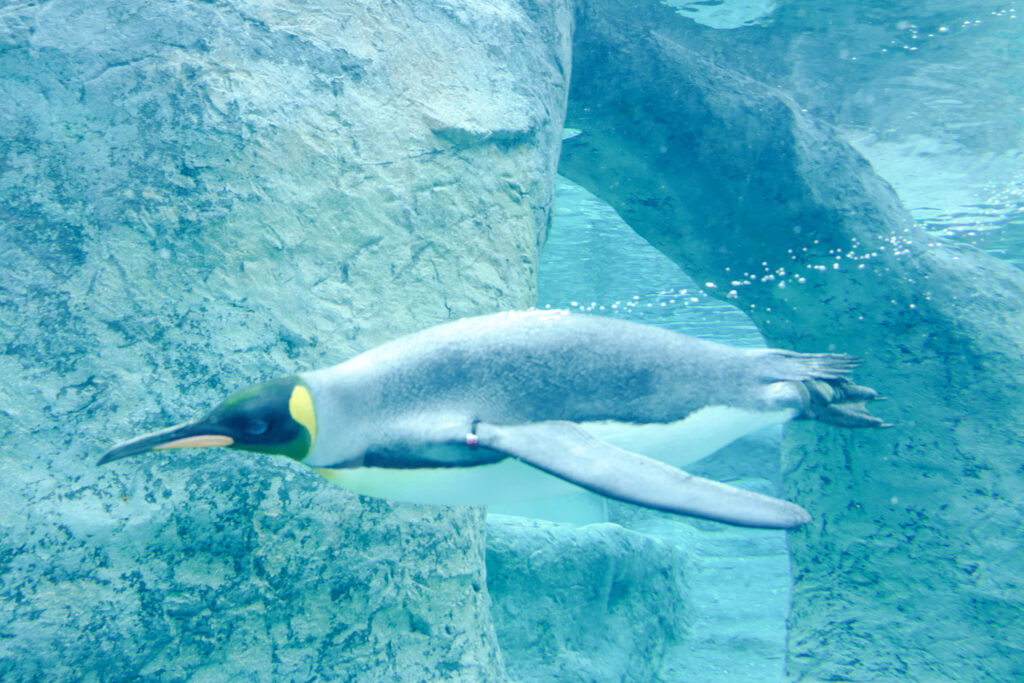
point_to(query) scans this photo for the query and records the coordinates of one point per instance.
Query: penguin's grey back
(552, 365)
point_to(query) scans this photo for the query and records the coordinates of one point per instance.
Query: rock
(592, 603)
(738, 583)
(189, 574)
(196, 197)
(661, 600)
(911, 567)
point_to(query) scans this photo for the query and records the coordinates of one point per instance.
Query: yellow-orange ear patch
(300, 405)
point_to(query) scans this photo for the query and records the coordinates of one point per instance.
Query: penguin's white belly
(687, 441)
(507, 481)
(510, 481)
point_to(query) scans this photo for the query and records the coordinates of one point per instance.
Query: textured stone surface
(593, 603)
(912, 568)
(253, 574)
(657, 600)
(738, 579)
(197, 196)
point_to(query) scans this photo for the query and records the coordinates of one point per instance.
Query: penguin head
(275, 417)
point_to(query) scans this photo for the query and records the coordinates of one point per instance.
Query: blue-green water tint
(935, 101)
(933, 97)
(593, 262)
(206, 556)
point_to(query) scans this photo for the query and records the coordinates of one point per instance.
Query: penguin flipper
(567, 451)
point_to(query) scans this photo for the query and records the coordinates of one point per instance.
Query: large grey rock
(197, 196)
(912, 568)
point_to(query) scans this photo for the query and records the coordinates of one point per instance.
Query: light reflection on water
(953, 192)
(594, 263)
(939, 118)
(996, 226)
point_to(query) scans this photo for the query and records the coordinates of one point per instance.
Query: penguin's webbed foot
(840, 402)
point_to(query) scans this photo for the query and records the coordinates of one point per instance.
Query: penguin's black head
(275, 417)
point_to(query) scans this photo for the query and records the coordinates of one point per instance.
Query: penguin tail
(799, 367)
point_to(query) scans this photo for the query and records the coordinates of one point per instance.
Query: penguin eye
(256, 427)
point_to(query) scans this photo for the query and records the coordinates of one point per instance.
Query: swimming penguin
(484, 410)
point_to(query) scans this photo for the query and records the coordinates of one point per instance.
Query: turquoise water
(593, 262)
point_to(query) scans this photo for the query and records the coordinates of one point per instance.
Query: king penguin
(522, 405)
